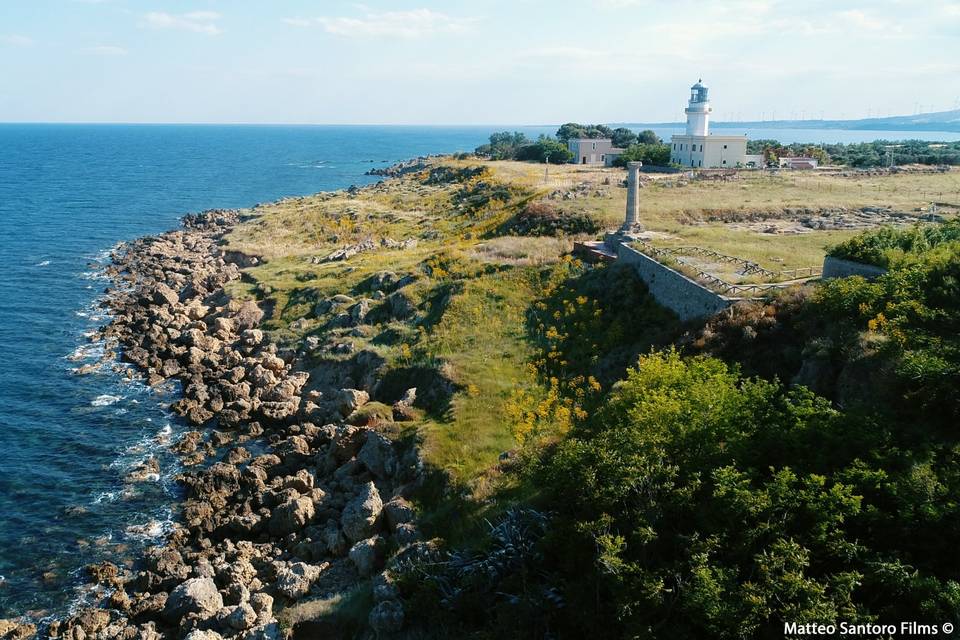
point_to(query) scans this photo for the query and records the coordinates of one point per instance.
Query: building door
(584, 160)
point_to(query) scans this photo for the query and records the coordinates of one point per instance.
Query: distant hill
(939, 121)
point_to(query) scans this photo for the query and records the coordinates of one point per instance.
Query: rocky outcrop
(283, 499)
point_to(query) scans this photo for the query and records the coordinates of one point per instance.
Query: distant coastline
(946, 121)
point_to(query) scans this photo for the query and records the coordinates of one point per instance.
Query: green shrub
(544, 219)
(889, 247)
(698, 504)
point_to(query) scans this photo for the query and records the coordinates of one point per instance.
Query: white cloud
(858, 18)
(105, 50)
(619, 4)
(564, 52)
(16, 40)
(195, 21)
(415, 23)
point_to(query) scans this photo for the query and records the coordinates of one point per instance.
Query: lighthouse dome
(698, 92)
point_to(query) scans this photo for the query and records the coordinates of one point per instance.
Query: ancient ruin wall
(685, 297)
(840, 268)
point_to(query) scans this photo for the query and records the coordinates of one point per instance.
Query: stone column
(633, 196)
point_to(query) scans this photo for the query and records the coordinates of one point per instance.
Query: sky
(477, 62)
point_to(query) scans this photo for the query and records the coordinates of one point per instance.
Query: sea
(71, 432)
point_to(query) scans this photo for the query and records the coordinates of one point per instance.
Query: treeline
(879, 153)
(645, 146)
(505, 145)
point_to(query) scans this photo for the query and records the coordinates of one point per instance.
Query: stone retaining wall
(687, 298)
(840, 268)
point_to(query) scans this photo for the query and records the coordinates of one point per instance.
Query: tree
(573, 130)
(553, 151)
(570, 131)
(650, 154)
(623, 137)
(503, 145)
(647, 136)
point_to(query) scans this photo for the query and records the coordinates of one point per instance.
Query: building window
(701, 163)
(603, 157)
(724, 162)
(701, 147)
(595, 146)
(724, 146)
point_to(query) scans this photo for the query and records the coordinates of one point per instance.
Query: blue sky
(477, 62)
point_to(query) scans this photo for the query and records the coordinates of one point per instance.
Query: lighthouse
(698, 149)
(698, 111)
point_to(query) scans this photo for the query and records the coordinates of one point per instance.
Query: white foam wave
(106, 496)
(43, 263)
(105, 400)
(150, 530)
(94, 350)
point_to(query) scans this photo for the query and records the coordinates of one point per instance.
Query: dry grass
(522, 250)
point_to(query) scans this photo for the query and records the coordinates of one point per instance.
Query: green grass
(472, 295)
(477, 337)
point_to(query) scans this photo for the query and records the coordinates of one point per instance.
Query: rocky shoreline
(285, 500)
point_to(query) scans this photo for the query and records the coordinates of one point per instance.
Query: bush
(890, 247)
(543, 219)
(697, 503)
(649, 154)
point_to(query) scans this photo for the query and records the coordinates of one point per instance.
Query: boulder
(295, 581)
(384, 587)
(198, 634)
(377, 456)
(242, 617)
(401, 304)
(262, 604)
(17, 630)
(164, 295)
(249, 316)
(368, 555)
(386, 617)
(349, 400)
(291, 516)
(359, 518)
(197, 595)
(398, 511)
(360, 311)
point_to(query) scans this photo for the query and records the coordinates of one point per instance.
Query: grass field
(474, 287)
(680, 208)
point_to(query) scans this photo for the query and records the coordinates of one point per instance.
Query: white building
(593, 150)
(698, 149)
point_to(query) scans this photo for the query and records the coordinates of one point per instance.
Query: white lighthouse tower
(698, 149)
(698, 111)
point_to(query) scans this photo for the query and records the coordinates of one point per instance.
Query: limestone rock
(197, 595)
(294, 582)
(359, 518)
(164, 295)
(398, 511)
(291, 516)
(367, 555)
(349, 400)
(377, 456)
(203, 635)
(242, 617)
(386, 617)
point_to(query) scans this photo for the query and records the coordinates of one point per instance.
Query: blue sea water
(68, 194)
